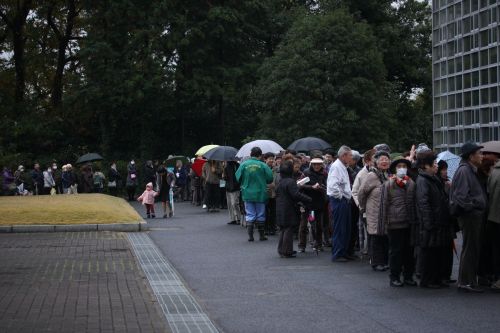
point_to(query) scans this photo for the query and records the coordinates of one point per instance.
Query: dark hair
(426, 158)
(442, 165)
(368, 155)
(267, 155)
(290, 151)
(286, 168)
(406, 154)
(256, 152)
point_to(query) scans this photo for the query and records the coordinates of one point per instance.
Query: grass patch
(66, 209)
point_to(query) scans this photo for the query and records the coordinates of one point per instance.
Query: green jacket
(253, 176)
(494, 194)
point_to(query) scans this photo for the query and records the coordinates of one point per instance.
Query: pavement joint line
(180, 308)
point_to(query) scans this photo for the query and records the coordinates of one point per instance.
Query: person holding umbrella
(254, 175)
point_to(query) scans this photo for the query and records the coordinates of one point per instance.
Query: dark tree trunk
(62, 59)
(16, 26)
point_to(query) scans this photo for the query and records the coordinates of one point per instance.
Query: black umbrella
(308, 144)
(221, 153)
(90, 157)
(172, 161)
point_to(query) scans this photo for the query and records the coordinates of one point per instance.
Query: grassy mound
(66, 209)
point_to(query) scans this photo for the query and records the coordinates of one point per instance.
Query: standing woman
(167, 181)
(433, 216)
(131, 180)
(398, 209)
(287, 217)
(369, 197)
(212, 173)
(114, 179)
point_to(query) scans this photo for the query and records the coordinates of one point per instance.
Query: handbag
(112, 184)
(53, 191)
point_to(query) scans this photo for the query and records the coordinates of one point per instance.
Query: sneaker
(301, 250)
(170, 214)
(204, 206)
(379, 268)
(165, 215)
(148, 216)
(232, 222)
(495, 286)
(468, 288)
(153, 216)
(396, 283)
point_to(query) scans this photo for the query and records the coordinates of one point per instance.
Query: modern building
(465, 59)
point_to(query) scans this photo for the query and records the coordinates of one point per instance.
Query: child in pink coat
(148, 199)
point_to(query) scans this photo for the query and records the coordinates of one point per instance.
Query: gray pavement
(246, 287)
(74, 282)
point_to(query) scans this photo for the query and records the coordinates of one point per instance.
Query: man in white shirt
(339, 195)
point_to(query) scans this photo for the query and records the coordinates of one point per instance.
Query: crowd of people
(403, 213)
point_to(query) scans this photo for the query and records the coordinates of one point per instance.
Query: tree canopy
(152, 78)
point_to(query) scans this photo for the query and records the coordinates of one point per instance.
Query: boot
(250, 232)
(261, 232)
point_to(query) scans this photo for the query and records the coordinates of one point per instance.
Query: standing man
(468, 202)
(494, 222)
(37, 178)
(339, 195)
(254, 175)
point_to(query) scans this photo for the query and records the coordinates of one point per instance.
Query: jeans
(255, 211)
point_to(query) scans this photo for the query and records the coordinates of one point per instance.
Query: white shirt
(338, 185)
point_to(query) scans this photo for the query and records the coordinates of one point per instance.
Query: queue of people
(403, 213)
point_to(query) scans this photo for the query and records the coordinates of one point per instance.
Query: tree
(327, 78)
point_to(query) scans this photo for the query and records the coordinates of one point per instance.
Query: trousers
(471, 226)
(341, 217)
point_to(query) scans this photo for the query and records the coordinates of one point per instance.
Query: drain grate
(180, 308)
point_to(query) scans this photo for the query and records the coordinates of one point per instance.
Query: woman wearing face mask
(369, 196)
(434, 220)
(398, 214)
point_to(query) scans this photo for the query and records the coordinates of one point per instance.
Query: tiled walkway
(182, 311)
(74, 282)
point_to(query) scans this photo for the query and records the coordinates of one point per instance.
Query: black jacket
(287, 196)
(318, 196)
(232, 184)
(432, 211)
(467, 195)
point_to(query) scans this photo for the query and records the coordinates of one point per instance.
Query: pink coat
(148, 197)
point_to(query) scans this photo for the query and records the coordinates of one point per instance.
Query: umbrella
(198, 166)
(91, 157)
(452, 160)
(267, 146)
(204, 149)
(491, 147)
(308, 144)
(221, 153)
(172, 160)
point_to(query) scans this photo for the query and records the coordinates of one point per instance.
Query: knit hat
(383, 147)
(421, 148)
(149, 185)
(381, 153)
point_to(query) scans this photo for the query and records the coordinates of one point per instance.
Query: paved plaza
(195, 273)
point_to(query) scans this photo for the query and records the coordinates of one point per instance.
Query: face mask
(54, 167)
(132, 162)
(401, 172)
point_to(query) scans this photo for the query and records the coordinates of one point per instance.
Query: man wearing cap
(339, 194)
(253, 176)
(468, 201)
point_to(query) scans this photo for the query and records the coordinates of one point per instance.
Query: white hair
(343, 150)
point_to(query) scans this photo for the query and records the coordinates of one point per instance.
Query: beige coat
(357, 184)
(369, 201)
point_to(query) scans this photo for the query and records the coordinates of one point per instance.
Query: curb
(122, 227)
